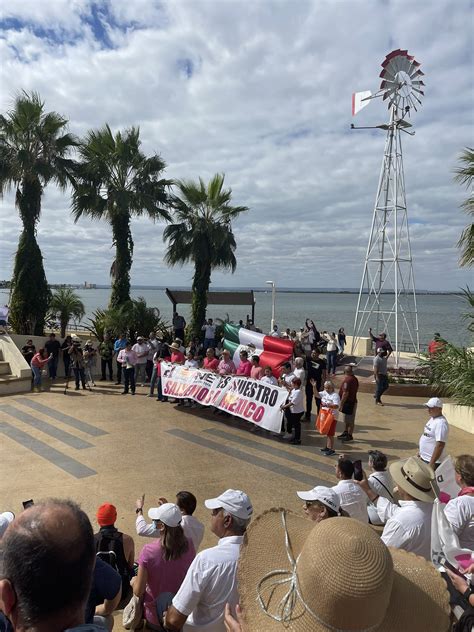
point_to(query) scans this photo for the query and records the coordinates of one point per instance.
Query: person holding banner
(245, 366)
(295, 408)
(210, 362)
(226, 366)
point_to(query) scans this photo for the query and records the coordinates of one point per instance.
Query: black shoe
(295, 442)
(133, 392)
(102, 379)
(124, 393)
(77, 388)
(329, 452)
(117, 383)
(306, 418)
(347, 438)
(323, 449)
(342, 435)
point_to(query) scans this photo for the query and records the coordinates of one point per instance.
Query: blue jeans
(140, 371)
(209, 343)
(80, 376)
(53, 367)
(153, 379)
(331, 359)
(381, 387)
(37, 375)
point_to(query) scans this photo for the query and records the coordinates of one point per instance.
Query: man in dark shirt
(105, 594)
(53, 347)
(348, 406)
(315, 370)
(381, 342)
(28, 351)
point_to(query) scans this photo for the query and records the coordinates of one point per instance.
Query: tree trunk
(30, 295)
(123, 260)
(63, 322)
(201, 282)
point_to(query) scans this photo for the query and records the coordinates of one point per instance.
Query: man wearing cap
(407, 526)
(381, 342)
(435, 434)
(380, 374)
(141, 349)
(211, 580)
(320, 503)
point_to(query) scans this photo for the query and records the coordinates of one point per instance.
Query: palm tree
(465, 175)
(33, 152)
(65, 304)
(202, 234)
(115, 181)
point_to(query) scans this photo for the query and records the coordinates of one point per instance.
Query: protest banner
(249, 399)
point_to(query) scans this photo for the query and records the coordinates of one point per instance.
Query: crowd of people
(290, 571)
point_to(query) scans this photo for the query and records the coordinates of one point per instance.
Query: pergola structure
(238, 297)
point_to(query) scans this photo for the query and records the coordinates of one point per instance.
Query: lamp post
(272, 283)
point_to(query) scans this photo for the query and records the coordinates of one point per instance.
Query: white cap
(168, 513)
(434, 402)
(234, 501)
(6, 518)
(326, 495)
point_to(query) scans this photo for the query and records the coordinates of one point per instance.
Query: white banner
(243, 397)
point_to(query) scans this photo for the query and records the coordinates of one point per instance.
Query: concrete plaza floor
(100, 446)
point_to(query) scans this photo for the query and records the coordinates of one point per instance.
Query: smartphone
(452, 568)
(28, 503)
(358, 476)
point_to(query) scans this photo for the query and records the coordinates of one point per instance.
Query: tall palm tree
(202, 233)
(465, 175)
(116, 181)
(65, 304)
(33, 152)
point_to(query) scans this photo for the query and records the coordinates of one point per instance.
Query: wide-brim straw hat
(334, 576)
(175, 345)
(414, 476)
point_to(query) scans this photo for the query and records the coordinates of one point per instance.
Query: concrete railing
(11, 353)
(460, 416)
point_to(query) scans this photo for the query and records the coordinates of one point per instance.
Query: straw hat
(175, 345)
(334, 576)
(414, 476)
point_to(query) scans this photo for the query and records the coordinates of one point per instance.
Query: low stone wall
(460, 416)
(11, 354)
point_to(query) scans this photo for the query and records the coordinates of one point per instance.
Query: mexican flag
(273, 352)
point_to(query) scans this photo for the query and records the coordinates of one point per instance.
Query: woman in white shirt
(460, 510)
(295, 406)
(331, 351)
(268, 377)
(330, 400)
(380, 482)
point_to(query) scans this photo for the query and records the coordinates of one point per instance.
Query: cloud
(260, 91)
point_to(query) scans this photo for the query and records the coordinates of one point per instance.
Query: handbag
(324, 420)
(132, 614)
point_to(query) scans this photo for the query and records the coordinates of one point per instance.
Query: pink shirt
(177, 357)
(163, 575)
(244, 368)
(256, 372)
(210, 364)
(226, 368)
(38, 361)
(127, 357)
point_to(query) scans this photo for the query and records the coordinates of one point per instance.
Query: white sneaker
(287, 435)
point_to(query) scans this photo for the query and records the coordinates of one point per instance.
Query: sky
(261, 91)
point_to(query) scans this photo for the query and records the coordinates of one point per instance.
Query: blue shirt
(106, 583)
(119, 344)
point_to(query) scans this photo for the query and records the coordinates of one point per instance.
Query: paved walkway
(100, 446)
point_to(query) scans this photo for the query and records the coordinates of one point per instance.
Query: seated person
(353, 499)
(380, 482)
(105, 594)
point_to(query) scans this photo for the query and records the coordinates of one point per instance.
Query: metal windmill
(387, 290)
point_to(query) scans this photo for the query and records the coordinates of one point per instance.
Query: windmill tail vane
(401, 84)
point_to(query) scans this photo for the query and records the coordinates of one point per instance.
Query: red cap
(106, 515)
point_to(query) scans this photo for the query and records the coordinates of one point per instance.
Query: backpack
(109, 548)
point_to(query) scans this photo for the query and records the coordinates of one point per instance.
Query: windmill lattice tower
(387, 296)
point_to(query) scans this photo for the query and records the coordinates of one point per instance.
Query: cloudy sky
(259, 90)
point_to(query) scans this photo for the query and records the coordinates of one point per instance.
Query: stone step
(10, 384)
(4, 367)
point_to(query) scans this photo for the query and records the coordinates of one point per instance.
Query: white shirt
(330, 398)
(437, 429)
(191, 364)
(210, 331)
(193, 529)
(211, 582)
(460, 513)
(141, 348)
(296, 397)
(288, 378)
(407, 526)
(269, 379)
(353, 499)
(301, 374)
(382, 484)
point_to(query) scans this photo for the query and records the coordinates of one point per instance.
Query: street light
(272, 283)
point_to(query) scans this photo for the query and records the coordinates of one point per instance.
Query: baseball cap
(434, 402)
(325, 495)
(234, 501)
(168, 513)
(6, 518)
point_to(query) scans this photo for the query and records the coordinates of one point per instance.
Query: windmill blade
(417, 83)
